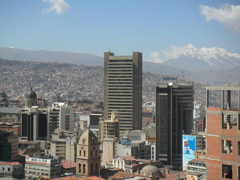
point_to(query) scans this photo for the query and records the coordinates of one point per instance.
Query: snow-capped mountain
(214, 58)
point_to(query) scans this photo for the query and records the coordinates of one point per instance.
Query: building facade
(34, 124)
(222, 132)
(13, 169)
(108, 151)
(47, 167)
(88, 154)
(64, 144)
(109, 128)
(8, 146)
(174, 117)
(61, 116)
(123, 89)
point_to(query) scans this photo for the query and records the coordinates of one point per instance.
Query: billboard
(188, 149)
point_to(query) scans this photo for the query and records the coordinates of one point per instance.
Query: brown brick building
(222, 133)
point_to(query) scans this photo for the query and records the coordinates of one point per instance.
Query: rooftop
(9, 163)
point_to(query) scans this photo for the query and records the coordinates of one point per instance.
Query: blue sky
(94, 26)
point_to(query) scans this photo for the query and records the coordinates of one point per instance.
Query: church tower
(88, 154)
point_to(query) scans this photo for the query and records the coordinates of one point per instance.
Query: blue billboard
(188, 149)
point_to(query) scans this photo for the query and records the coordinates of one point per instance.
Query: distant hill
(197, 65)
(51, 56)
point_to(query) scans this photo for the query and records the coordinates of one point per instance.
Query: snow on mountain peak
(209, 53)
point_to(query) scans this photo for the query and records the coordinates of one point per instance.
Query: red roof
(38, 163)
(68, 164)
(66, 178)
(9, 163)
(128, 158)
(91, 178)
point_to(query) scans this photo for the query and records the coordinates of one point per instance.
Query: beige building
(108, 151)
(109, 128)
(64, 144)
(88, 154)
(123, 89)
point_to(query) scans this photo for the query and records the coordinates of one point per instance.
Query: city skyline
(160, 29)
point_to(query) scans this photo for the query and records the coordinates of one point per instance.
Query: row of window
(82, 168)
(84, 153)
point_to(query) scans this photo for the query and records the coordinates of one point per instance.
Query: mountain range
(213, 66)
(194, 59)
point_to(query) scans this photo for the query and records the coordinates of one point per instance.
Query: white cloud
(155, 57)
(59, 6)
(227, 15)
(171, 53)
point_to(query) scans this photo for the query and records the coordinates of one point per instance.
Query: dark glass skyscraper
(174, 117)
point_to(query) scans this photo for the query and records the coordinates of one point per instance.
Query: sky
(160, 29)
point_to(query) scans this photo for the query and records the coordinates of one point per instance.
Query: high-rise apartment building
(174, 117)
(123, 89)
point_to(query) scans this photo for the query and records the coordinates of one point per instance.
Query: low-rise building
(196, 169)
(138, 149)
(46, 167)
(14, 169)
(69, 167)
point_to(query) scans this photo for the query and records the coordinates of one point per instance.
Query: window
(80, 168)
(227, 171)
(226, 146)
(238, 147)
(84, 168)
(91, 169)
(228, 121)
(96, 169)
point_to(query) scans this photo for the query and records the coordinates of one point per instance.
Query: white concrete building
(45, 167)
(14, 169)
(61, 115)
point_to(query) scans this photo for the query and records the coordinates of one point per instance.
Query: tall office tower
(222, 133)
(123, 89)
(174, 117)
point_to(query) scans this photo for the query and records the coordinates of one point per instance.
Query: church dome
(31, 94)
(150, 170)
